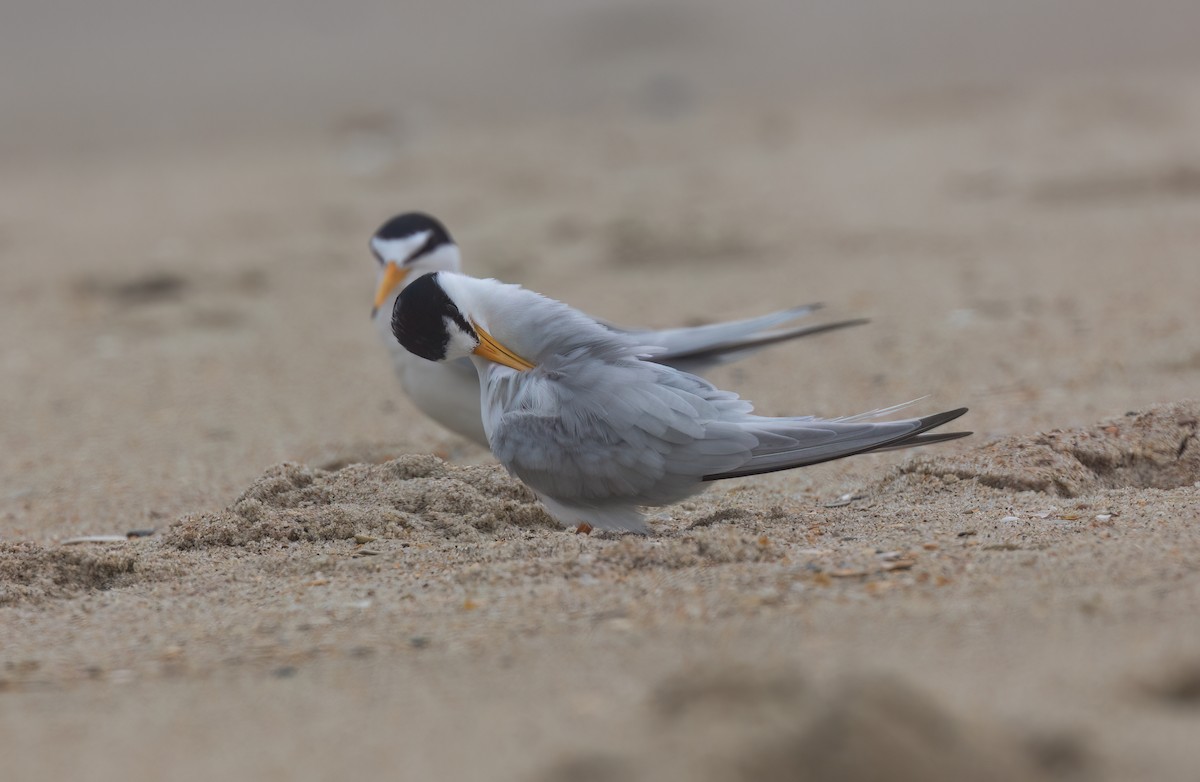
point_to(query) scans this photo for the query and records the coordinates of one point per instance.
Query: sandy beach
(330, 586)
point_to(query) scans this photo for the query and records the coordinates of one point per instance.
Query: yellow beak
(393, 275)
(492, 350)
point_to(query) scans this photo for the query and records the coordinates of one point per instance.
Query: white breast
(446, 392)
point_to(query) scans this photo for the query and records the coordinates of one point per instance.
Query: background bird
(572, 409)
(414, 243)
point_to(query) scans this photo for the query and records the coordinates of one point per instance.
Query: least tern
(413, 244)
(572, 409)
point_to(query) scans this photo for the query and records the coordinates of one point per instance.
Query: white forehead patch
(399, 250)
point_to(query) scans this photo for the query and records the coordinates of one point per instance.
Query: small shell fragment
(844, 500)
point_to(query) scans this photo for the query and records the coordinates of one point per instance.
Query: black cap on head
(410, 223)
(419, 318)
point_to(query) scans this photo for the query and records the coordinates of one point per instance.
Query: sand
(332, 586)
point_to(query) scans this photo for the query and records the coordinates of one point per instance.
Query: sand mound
(413, 493)
(30, 572)
(1156, 448)
(767, 726)
(423, 500)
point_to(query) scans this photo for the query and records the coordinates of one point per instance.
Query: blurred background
(93, 78)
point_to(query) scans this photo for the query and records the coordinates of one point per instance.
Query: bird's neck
(537, 328)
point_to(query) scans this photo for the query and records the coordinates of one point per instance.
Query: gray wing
(687, 337)
(629, 431)
(698, 348)
(705, 357)
(648, 435)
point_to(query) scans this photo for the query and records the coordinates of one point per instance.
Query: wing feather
(634, 433)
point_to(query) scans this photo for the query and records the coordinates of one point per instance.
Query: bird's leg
(584, 529)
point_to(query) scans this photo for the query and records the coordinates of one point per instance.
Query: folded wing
(637, 432)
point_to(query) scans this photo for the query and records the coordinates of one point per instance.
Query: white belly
(446, 392)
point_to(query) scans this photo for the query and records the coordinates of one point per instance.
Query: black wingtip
(937, 419)
(925, 439)
(915, 438)
(921, 436)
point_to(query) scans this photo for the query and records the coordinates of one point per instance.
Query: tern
(573, 410)
(413, 244)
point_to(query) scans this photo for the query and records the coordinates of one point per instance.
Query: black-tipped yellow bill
(492, 350)
(393, 275)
